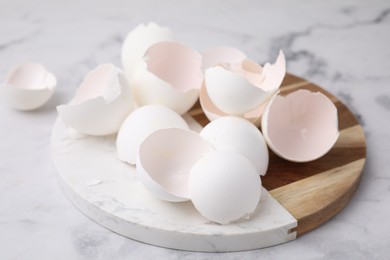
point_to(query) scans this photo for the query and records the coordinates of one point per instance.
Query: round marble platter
(296, 198)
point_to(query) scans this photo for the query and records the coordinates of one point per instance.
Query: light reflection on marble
(340, 45)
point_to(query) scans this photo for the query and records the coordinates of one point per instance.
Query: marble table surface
(341, 45)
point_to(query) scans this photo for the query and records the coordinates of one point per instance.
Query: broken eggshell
(101, 103)
(237, 89)
(141, 123)
(224, 186)
(138, 41)
(238, 135)
(300, 127)
(170, 75)
(220, 55)
(165, 160)
(28, 86)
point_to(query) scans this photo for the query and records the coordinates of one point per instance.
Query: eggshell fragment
(220, 55)
(165, 160)
(141, 123)
(139, 40)
(238, 135)
(170, 75)
(301, 126)
(102, 102)
(224, 186)
(237, 89)
(28, 86)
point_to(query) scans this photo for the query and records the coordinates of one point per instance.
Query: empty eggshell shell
(138, 41)
(224, 186)
(165, 160)
(301, 126)
(238, 135)
(141, 123)
(220, 55)
(237, 89)
(102, 102)
(170, 75)
(28, 86)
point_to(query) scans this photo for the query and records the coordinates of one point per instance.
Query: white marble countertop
(341, 45)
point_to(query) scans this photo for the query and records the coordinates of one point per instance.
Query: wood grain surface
(316, 191)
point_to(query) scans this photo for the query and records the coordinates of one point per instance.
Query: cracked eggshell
(101, 103)
(238, 135)
(165, 160)
(302, 126)
(170, 75)
(141, 123)
(224, 187)
(220, 55)
(138, 41)
(237, 89)
(28, 86)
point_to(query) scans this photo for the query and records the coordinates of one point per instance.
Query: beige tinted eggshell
(141, 123)
(28, 86)
(220, 55)
(302, 126)
(224, 187)
(101, 103)
(165, 160)
(170, 75)
(238, 135)
(138, 41)
(237, 89)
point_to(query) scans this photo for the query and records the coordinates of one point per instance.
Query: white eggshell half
(300, 127)
(28, 86)
(224, 187)
(238, 135)
(141, 123)
(212, 112)
(138, 41)
(239, 89)
(170, 75)
(165, 160)
(102, 102)
(220, 55)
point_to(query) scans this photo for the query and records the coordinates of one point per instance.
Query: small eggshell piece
(28, 86)
(301, 126)
(165, 160)
(238, 135)
(224, 187)
(139, 124)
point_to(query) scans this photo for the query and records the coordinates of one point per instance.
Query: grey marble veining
(340, 45)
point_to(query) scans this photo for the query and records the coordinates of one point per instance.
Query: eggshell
(237, 89)
(165, 160)
(139, 40)
(170, 75)
(300, 127)
(220, 55)
(224, 186)
(240, 136)
(102, 102)
(141, 123)
(28, 86)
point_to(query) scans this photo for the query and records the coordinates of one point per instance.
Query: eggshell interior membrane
(237, 89)
(101, 104)
(30, 76)
(165, 160)
(224, 186)
(301, 126)
(139, 124)
(240, 136)
(139, 40)
(220, 55)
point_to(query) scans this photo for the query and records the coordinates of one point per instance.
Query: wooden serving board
(316, 191)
